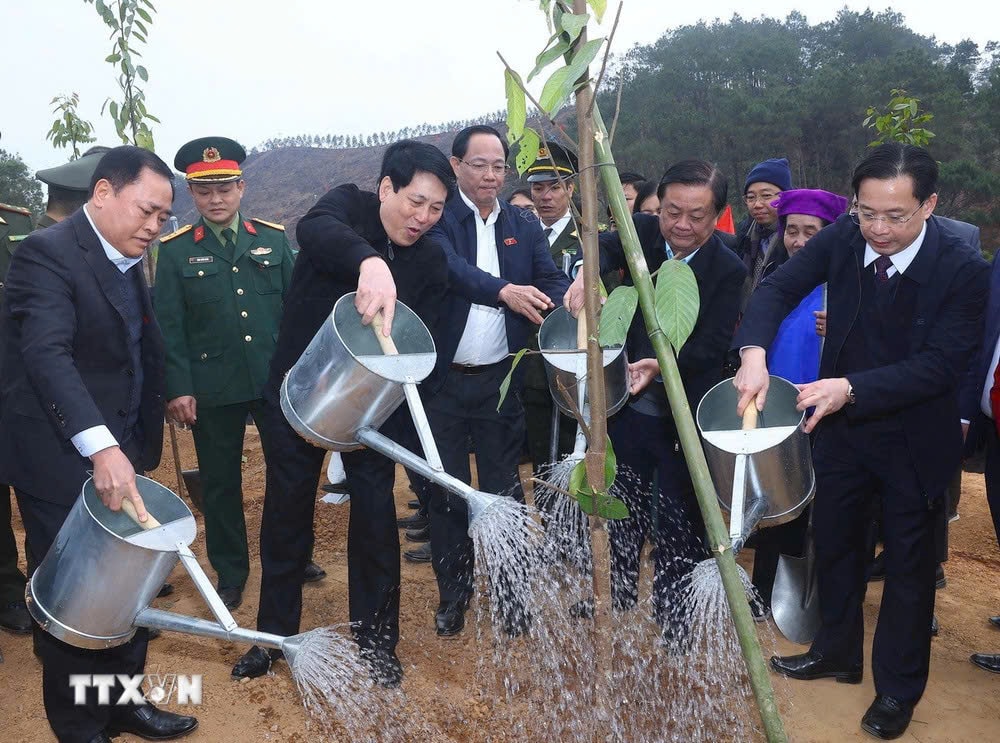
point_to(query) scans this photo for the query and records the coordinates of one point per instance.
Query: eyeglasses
(481, 168)
(752, 198)
(868, 218)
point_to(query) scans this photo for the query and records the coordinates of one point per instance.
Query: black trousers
(993, 472)
(286, 534)
(466, 409)
(646, 447)
(855, 464)
(71, 722)
(11, 578)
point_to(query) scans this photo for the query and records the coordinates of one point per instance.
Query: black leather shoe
(450, 618)
(939, 580)
(14, 618)
(986, 661)
(418, 535)
(313, 573)
(413, 504)
(151, 723)
(101, 737)
(887, 718)
(255, 662)
(419, 554)
(809, 666)
(165, 590)
(384, 666)
(417, 521)
(995, 621)
(935, 627)
(232, 596)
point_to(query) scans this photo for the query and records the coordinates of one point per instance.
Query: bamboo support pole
(718, 536)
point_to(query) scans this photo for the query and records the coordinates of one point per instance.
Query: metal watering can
(565, 357)
(763, 475)
(94, 586)
(351, 378)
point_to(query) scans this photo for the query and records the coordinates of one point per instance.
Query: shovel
(795, 600)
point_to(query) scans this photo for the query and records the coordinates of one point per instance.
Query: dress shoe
(887, 718)
(165, 590)
(450, 618)
(14, 618)
(419, 554)
(255, 662)
(151, 723)
(935, 627)
(417, 520)
(809, 666)
(995, 621)
(231, 596)
(413, 504)
(419, 535)
(986, 661)
(313, 573)
(384, 666)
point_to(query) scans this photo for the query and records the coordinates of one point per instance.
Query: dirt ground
(962, 703)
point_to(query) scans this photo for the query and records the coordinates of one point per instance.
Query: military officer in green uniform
(220, 285)
(551, 179)
(68, 185)
(15, 224)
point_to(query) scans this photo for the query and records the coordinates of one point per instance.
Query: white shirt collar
(475, 209)
(122, 262)
(558, 226)
(901, 260)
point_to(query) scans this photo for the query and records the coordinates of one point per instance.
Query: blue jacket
(524, 259)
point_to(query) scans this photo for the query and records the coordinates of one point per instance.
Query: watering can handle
(388, 346)
(750, 415)
(149, 523)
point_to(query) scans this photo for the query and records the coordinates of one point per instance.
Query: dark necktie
(882, 265)
(230, 237)
(547, 232)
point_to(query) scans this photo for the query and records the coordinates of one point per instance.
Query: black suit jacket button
(121, 412)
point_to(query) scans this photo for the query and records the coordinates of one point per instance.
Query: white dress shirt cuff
(93, 440)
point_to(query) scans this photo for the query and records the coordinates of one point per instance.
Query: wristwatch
(851, 399)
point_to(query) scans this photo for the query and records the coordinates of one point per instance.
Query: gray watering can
(351, 378)
(94, 586)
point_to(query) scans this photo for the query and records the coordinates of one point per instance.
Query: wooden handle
(750, 415)
(581, 332)
(149, 523)
(388, 346)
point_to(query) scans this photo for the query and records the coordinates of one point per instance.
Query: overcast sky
(251, 70)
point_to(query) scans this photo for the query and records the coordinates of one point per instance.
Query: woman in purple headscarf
(794, 354)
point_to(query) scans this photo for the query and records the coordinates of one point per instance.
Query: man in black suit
(692, 196)
(82, 389)
(375, 244)
(904, 315)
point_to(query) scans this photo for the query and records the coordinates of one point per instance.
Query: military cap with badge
(552, 163)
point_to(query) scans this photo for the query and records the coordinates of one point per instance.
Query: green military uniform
(219, 301)
(15, 224)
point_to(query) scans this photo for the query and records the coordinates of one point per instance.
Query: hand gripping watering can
(351, 378)
(762, 473)
(94, 587)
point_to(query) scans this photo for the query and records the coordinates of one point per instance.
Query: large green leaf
(598, 6)
(516, 107)
(549, 54)
(505, 384)
(563, 81)
(527, 150)
(677, 301)
(573, 24)
(616, 316)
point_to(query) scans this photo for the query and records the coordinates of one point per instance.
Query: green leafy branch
(69, 128)
(901, 121)
(129, 21)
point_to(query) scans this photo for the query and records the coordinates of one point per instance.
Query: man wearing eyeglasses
(501, 279)
(756, 234)
(905, 299)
